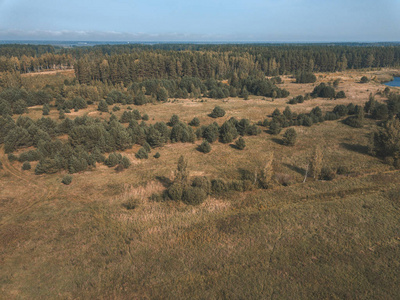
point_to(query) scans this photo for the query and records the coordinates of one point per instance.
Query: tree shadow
(165, 181)
(234, 146)
(297, 169)
(278, 141)
(355, 148)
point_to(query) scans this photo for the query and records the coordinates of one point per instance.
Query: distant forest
(116, 64)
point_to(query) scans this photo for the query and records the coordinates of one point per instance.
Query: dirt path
(51, 72)
(40, 192)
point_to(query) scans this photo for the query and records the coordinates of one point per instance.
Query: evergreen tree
(290, 137)
(217, 112)
(240, 144)
(142, 154)
(46, 110)
(103, 107)
(205, 147)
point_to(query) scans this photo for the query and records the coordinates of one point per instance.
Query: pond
(395, 82)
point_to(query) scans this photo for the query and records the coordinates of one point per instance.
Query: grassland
(314, 240)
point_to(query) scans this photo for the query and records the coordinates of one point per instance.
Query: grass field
(336, 239)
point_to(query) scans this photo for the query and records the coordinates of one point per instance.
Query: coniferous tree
(290, 137)
(205, 147)
(240, 144)
(103, 107)
(46, 110)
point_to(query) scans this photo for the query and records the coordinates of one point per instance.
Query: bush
(125, 162)
(306, 77)
(119, 168)
(26, 166)
(46, 110)
(240, 144)
(67, 179)
(195, 122)
(145, 117)
(173, 121)
(193, 195)
(283, 179)
(353, 121)
(290, 137)
(323, 91)
(142, 154)
(11, 157)
(364, 79)
(275, 127)
(103, 107)
(217, 112)
(340, 95)
(327, 174)
(236, 185)
(157, 155)
(205, 147)
(116, 108)
(218, 186)
(131, 203)
(202, 183)
(175, 191)
(147, 147)
(112, 160)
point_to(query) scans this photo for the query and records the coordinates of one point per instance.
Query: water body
(395, 82)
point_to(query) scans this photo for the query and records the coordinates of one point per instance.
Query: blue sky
(206, 20)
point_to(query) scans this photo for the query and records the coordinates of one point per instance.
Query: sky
(205, 20)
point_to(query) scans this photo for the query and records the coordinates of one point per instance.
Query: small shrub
(145, 117)
(236, 185)
(142, 154)
(218, 186)
(364, 79)
(147, 147)
(340, 95)
(11, 157)
(67, 179)
(116, 108)
(240, 144)
(205, 147)
(193, 195)
(306, 77)
(175, 191)
(195, 122)
(131, 203)
(125, 162)
(283, 179)
(157, 155)
(202, 183)
(119, 168)
(327, 174)
(26, 166)
(156, 197)
(217, 112)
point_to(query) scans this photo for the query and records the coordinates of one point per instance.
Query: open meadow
(105, 237)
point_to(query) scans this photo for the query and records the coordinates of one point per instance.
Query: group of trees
(127, 63)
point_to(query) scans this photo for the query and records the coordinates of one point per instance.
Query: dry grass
(336, 239)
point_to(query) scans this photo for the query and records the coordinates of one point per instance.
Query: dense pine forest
(127, 63)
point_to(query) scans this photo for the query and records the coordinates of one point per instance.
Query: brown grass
(334, 239)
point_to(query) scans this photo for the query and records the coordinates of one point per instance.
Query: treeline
(127, 63)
